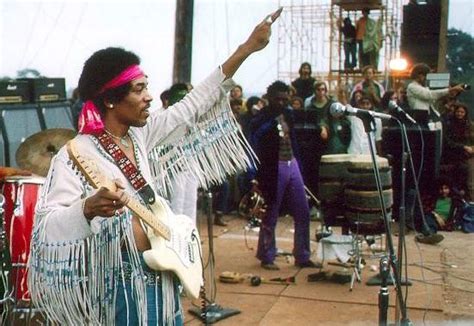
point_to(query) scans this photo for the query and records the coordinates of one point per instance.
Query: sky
(55, 37)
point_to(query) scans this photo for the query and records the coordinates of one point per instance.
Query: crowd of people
(297, 128)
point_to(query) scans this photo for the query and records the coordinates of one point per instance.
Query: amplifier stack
(27, 106)
(32, 90)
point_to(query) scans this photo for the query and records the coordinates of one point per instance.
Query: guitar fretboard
(97, 181)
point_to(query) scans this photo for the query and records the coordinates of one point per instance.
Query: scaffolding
(309, 31)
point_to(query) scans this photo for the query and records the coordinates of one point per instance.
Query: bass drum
(21, 195)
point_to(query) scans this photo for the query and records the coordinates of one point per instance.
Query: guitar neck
(97, 180)
(148, 217)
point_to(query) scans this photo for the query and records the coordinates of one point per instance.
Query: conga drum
(333, 171)
(21, 195)
(362, 202)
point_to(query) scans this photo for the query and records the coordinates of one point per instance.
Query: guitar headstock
(88, 168)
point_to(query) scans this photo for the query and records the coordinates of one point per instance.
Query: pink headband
(90, 121)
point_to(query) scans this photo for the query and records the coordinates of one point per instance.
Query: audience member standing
(304, 83)
(459, 149)
(359, 138)
(339, 138)
(360, 32)
(237, 93)
(279, 177)
(370, 86)
(350, 44)
(312, 132)
(421, 99)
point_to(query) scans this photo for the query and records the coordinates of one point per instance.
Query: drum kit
(19, 195)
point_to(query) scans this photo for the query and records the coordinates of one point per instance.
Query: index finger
(277, 13)
(270, 19)
(110, 194)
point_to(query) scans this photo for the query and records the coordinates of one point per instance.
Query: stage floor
(442, 291)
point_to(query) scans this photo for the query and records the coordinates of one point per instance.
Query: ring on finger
(269, 20)
(114, 203)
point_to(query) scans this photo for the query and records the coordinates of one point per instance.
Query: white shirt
(359, 139)
(421, 97)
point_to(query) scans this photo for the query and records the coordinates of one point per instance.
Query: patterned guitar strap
(128, 169)
(146, 193)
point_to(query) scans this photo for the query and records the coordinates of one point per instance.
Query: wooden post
(183, 41)
(443, 36)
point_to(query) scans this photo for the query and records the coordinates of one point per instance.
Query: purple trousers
(291, 189)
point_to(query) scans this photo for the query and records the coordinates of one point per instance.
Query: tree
(460, 62)
(28, 73)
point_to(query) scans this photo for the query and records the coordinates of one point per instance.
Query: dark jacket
(265, 141)
(304, 87)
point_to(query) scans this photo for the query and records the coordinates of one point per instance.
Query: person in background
(279, 178)
(459, 149)
(339, 131)
(402, 99)
(297, 103)
(312, 133)
(254, 105)
(305, 82)
(364, 58)
(447, 105)
(421, 99)
(236, 107)
(350, 44)
(359, 139)
(237, 93)
(164, 97)
(355, 98)
(390, 95)
(440, 208)
(370, 86)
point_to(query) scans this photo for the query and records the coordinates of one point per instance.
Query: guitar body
(175, 242)
(181, 254)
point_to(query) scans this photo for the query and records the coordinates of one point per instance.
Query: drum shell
(333, 171)
(21, 195)
(361, 194)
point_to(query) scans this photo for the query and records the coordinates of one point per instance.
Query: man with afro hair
(87, 263)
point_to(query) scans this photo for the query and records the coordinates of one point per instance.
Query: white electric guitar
(175, 242)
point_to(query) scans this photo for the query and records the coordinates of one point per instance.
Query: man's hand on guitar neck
(106, 201)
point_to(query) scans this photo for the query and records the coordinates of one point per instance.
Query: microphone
(337, 109)
(392, 105)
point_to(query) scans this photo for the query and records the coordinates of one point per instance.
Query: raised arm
(257, 40)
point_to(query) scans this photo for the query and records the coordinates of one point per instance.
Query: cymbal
(36, 152)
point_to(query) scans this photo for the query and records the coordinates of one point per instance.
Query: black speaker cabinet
(47, 89)
(14, 91)
(420, 32)
(425, 147)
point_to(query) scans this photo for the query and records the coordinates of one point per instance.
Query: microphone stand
(211, 312)
(369, 123)
(406, 153)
